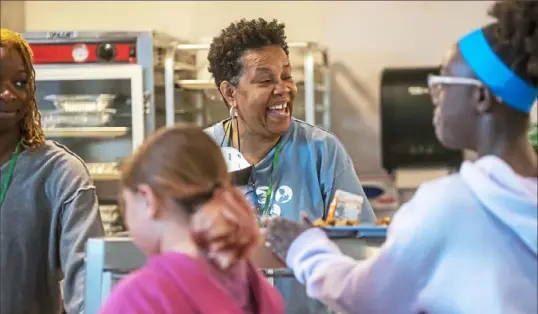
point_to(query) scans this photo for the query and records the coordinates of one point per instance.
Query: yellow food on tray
(334, 222)
(384, 221)
(331, 222)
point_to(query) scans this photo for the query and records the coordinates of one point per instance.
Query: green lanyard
(9, 173)
(275, 162)
(270, 188)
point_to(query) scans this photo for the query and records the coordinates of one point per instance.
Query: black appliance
(407, 134)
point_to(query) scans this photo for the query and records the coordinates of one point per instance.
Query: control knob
(106, 52)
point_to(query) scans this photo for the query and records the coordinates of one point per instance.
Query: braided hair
(32, 133)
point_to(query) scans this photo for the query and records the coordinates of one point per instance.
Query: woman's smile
(278, 112)
(8, 114)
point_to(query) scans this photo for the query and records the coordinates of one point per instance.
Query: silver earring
(232, 112)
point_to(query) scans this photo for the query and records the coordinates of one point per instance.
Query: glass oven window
(93, 118)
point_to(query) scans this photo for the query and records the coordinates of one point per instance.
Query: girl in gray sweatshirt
(48, 203)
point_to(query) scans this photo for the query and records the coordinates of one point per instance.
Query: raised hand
(280, 233)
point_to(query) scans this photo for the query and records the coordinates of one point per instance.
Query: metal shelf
(210, 85)
(105, 176)
(314, 79)
(104, 171)
(319, 108)
(196, 84)
(179, 66)
(292, 45)
(86, 132)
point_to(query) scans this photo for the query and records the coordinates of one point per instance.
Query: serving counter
(109, 259)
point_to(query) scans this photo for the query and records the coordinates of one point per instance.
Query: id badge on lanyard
(237, 163)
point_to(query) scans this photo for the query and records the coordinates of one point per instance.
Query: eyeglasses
(437, 80)
(435, 83)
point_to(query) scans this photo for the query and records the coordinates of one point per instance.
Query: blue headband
(502, 81)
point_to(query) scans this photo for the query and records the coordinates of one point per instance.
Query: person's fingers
(280, 233)
(306, 219)
(278, 226)
(273, 224)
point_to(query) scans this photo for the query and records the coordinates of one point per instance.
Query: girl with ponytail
(197, 230)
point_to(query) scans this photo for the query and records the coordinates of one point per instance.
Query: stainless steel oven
(96, 93)
(97, 111)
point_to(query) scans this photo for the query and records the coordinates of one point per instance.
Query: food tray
(53, 119)
(360, 231)
(81, 103)
(111, 218)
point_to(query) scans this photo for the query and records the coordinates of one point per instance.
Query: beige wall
(363, 37)
(12, 15)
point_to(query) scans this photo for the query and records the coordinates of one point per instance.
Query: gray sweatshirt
(49, 212)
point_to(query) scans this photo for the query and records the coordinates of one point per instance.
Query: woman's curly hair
(32, 133)
(227, 49)
(514, 36)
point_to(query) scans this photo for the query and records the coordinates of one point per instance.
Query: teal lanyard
(9, 173)
(270, 188)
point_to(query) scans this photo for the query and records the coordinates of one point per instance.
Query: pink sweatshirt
(175, 283)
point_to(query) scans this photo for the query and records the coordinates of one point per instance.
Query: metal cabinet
(97, 112)
(191, 95)
(96, 94)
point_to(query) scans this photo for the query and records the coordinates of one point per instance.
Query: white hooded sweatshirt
(465, 243)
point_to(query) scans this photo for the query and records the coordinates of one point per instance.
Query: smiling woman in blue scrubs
(295, 165)
(465, 243)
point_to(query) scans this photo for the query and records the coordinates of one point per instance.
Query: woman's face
(138, 211)
(265, 93)
(14, 89)
(455, 116)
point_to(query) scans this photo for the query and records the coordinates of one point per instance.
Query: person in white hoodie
(467, 242)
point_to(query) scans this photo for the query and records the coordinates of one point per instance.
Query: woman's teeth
(279, 111)
(279, 107)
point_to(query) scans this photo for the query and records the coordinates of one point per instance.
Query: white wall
(12, 15)
(363, 37)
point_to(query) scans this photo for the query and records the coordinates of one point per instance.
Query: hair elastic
(191, 203)
(491, 70)
(216, 186)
